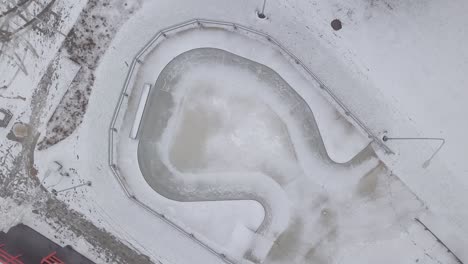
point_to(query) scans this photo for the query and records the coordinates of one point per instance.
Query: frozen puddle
(220, 127)
(218, 136)
(224, 125)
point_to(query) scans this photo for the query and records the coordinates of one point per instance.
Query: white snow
(339, 186)
(229, 41)
(409, 68)
(399, 65)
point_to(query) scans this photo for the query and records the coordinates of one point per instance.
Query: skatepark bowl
(217, 126)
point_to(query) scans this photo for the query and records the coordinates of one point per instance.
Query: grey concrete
(160, 107)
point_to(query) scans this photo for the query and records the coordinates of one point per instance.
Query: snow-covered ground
(221, 79)
(398, 65)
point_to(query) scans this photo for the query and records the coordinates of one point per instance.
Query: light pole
(428, 161)
(261, 14)
(88, 183)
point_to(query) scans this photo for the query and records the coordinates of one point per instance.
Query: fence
(133, 69)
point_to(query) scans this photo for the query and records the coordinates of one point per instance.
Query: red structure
(52, 259)
(6, 258)
(23, 245)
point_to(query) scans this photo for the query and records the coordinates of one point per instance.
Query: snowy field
(225, 127)
(224, 111)
(239, 148)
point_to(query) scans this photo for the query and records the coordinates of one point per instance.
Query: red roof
(6, 258)
(52, 259)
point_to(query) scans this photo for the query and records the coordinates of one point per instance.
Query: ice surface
(225, 126)
(218, 126)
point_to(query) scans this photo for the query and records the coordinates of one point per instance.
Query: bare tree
(17, 18)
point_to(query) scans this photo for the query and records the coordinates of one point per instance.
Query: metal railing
(139, 59)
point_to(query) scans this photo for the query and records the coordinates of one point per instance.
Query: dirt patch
(20, 130)
(85, 44)
(286, 245)
(368, 184)
(69, 113)
(18, 182)
(57, 214)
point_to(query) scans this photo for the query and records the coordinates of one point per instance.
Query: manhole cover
(336, 24)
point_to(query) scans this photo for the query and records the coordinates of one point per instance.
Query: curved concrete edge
(216, 187)
(168, 182)
(223, 187)
(125, 88)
